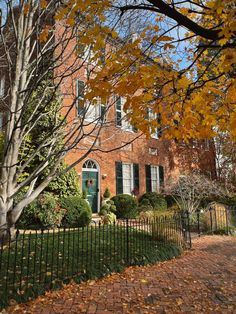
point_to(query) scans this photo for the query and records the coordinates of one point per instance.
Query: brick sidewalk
(201, 281)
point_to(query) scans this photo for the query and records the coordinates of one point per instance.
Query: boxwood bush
(126, 206)
(156, 200)
(77, 212)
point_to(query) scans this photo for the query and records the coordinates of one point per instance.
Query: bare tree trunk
(7, 224)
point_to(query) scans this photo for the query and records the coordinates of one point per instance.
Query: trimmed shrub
(109, 205)
(84, 194)
(78, 212)
(107, 211)
(107, 193)
(44, 212)
(144, 206)
(109, 218)
(156, 200)
(126, 206)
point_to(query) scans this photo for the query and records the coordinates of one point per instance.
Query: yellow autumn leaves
(198, 103)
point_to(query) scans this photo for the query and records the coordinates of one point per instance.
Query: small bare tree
(191, 189)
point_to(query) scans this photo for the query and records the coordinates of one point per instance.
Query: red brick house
(123, 160)
(140, 164)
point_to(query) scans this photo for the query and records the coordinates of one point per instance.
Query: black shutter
(136, 178)
(159, 130)
(148, 178)
(119, 178)
(102, 112)
(80, 96)
(161, 176)
(118, 111)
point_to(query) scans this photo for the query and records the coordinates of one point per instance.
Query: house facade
(116, 155)
(122, 159)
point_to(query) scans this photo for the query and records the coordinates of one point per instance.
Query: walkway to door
(203, 280)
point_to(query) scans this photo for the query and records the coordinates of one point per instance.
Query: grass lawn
(40, 261)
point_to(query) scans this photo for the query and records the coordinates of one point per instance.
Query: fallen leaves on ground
(195, 282)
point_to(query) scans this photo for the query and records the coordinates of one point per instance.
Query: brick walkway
(201, 281)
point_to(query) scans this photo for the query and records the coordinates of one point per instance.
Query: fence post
(183, 225)
(189, 231)
(211, 221)
(227, 220)
(127, 241)
(198, 222)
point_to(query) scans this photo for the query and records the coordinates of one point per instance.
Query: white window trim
(125, 125)
(157, 179)
(94, 112)
(131, 178)
(153, 116)
(90, 108)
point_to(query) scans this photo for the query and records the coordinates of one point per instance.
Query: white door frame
(99, 179)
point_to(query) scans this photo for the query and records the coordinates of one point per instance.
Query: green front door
(90, 185)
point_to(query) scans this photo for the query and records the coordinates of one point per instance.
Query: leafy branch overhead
(180, 62)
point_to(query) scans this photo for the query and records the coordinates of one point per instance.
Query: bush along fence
(36, 261)
(216, 219)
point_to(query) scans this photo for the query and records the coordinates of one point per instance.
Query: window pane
(155, 178)
(80, 96)
(118, 103)
(127, 178)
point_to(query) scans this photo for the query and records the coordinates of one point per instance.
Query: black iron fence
(216, 219)
(39, 260)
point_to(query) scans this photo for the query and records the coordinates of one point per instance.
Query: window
(152, 151)
(80, 86)
(86, 53)
(127, 178)
(2, 86)
(154, 178)
(89, 164)
(155, 132)
(121, 117)
(93, 112)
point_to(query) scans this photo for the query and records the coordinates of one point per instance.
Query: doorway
(90, 183)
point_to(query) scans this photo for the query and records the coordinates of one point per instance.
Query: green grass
(40, 261)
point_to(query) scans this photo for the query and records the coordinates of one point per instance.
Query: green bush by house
(77, 212)
(156, 200)
(126, 206)
(44, 212)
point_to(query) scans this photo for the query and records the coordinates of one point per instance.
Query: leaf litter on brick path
(142, 280)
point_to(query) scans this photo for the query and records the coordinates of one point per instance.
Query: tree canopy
(180, 63)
